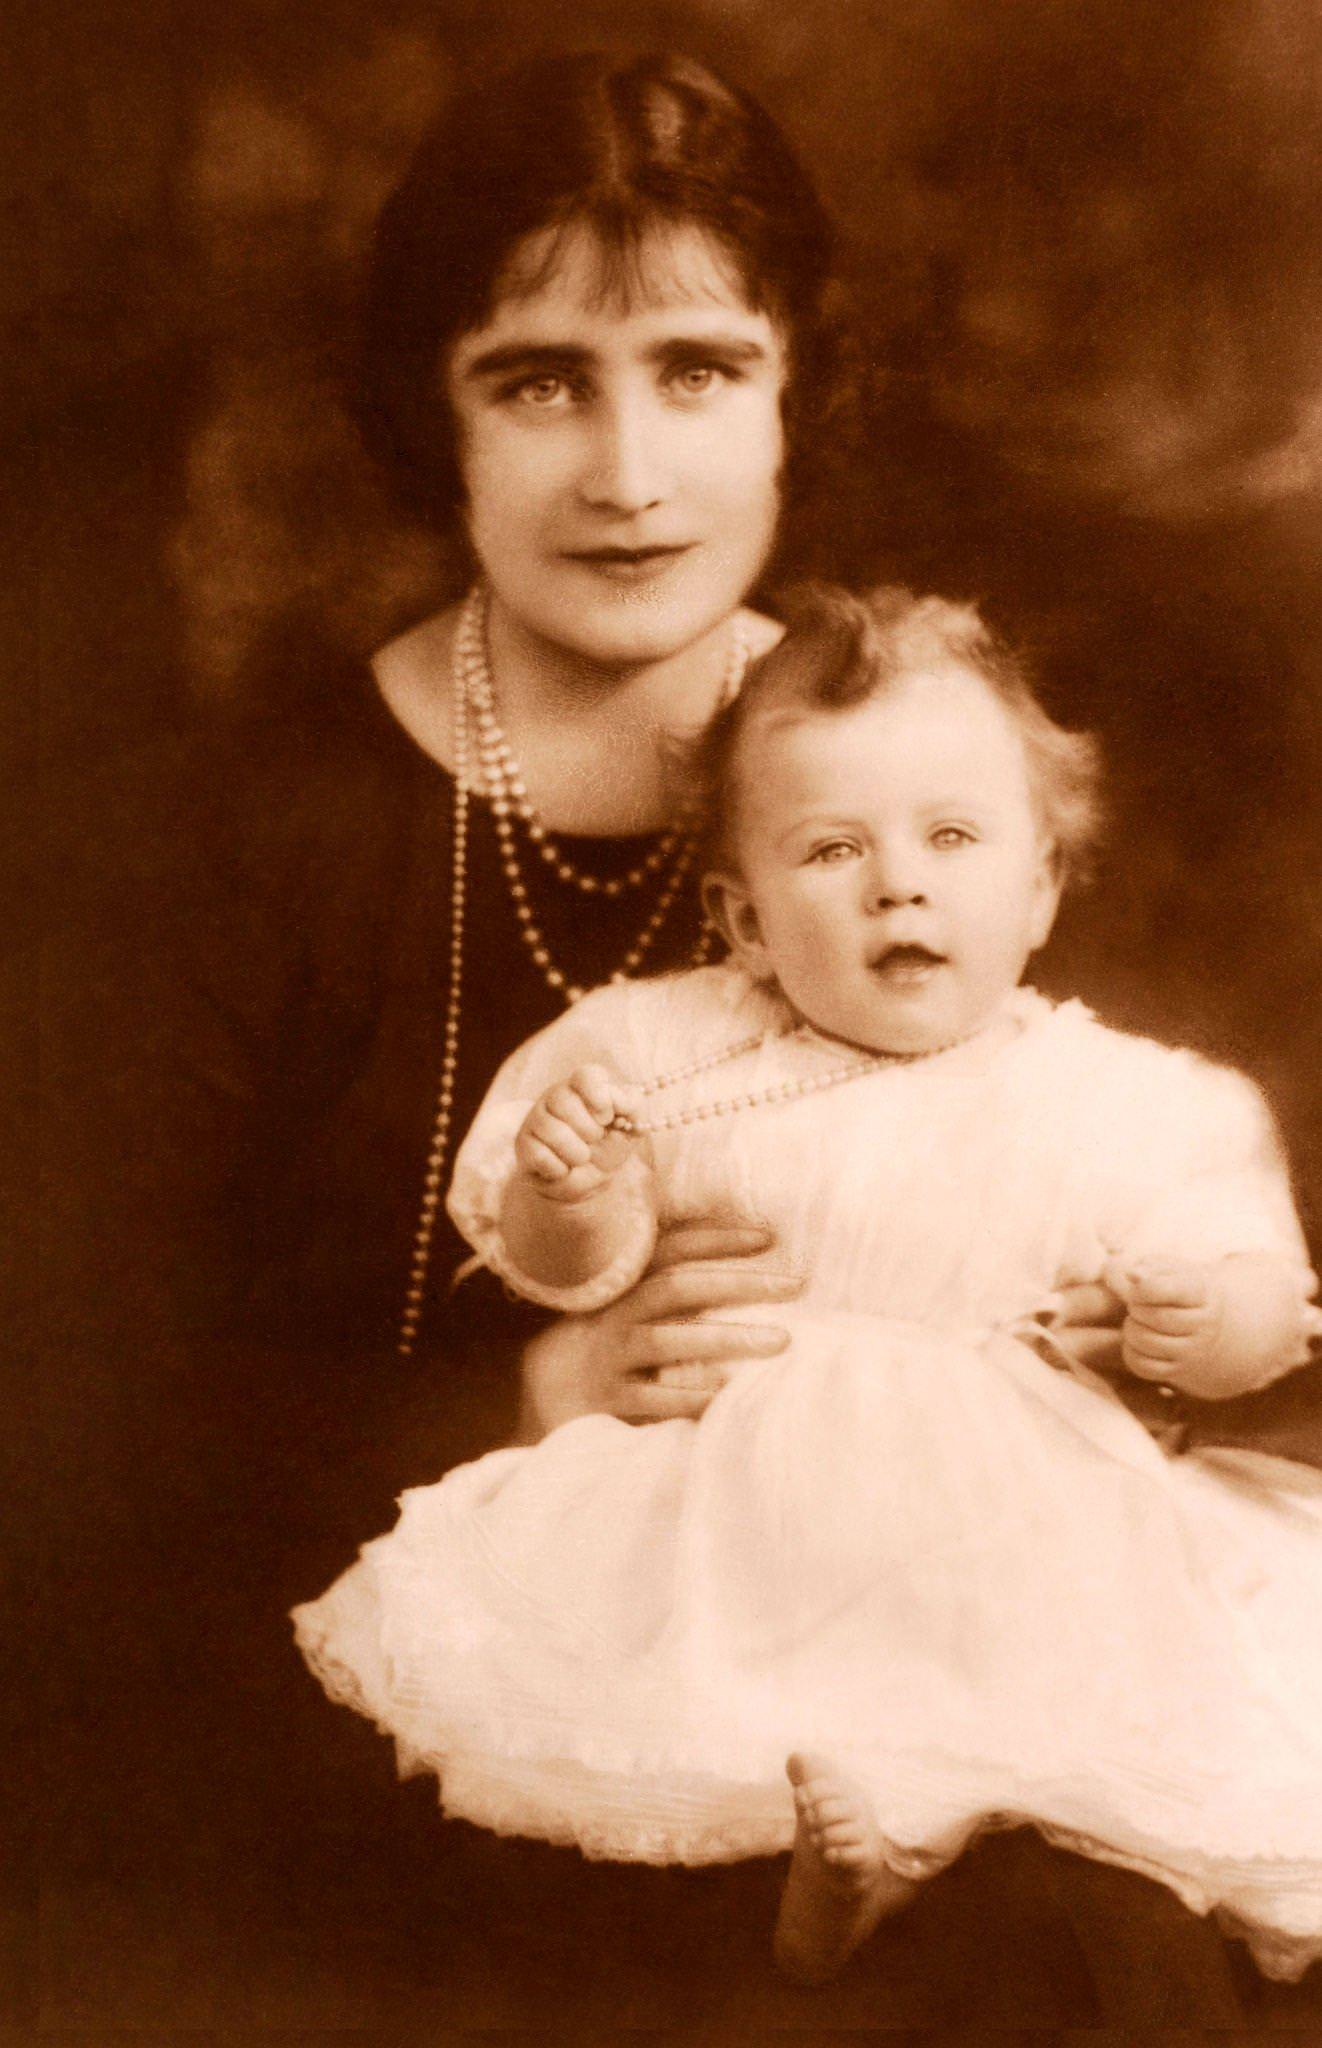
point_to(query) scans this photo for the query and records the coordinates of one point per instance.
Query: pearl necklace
(425, 1228)
(757, 1098)
(503, 782)
(471, 691)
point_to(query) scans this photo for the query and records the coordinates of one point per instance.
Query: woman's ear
(730, 908)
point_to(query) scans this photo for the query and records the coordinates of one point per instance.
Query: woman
(601, 333)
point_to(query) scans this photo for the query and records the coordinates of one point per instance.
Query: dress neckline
(427, 765)
(1025, 1009)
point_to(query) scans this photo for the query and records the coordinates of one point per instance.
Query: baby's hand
(567, 1145)
(1173, 1321)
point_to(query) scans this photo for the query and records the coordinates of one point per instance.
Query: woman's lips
(628, 565)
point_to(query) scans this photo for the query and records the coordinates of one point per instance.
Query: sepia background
(1086, 241)
(1087, 245)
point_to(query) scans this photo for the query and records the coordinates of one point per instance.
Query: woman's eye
(540, 393)
(695, 380)
(946, 836)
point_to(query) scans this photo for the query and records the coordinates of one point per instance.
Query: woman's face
(621, 454)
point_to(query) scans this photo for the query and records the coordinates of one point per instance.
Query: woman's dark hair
(619, 145)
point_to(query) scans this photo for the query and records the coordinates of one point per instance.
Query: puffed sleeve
(1220, 1184)
(608, 1029)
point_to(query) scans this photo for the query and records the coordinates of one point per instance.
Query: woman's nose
(623, 466)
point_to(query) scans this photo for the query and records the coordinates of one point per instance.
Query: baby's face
(894, 879)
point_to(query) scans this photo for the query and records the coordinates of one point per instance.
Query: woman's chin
(618, 622)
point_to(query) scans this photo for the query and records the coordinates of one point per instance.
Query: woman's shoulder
(412, 675)
(329, 778)
(261, 802)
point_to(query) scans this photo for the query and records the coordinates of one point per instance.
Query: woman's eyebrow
(503, 358)
(531, 356)
(735, 348)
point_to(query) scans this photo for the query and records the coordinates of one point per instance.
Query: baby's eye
(946, 836)
(829, 852)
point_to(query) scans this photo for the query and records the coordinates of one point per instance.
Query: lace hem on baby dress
(1275, 1910)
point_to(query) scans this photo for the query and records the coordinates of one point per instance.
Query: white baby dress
(908, 1541)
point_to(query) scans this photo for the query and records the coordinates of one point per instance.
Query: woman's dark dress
(242, 1063)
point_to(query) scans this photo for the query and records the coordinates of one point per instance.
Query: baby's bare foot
(839, 1885)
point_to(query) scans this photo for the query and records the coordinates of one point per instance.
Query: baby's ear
(730, 907)
(1047, 887)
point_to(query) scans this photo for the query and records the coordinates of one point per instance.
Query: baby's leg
(839, 1885)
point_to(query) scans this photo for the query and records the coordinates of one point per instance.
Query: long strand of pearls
(503, 780)
(473, 697)
(504, 777)
(755, 1098)
(425, 1229)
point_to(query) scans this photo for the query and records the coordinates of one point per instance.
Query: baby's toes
(841, 1847)
(845, 1848)
(838, 1827)
(822, 1806)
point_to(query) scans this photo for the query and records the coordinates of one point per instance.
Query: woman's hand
(648, 1357)
(1086, 1321)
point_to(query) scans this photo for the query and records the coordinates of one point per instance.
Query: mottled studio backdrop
(1086, 236)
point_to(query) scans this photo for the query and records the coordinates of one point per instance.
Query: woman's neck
(600, 749)
(540, 683)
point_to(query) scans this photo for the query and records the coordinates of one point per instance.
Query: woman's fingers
(652, 1345)
(683, 1291)
(653, 1401)
(651, 1357)
(694, 1376)
(1086, 1304)
(701, 1242)
(1096, 1345)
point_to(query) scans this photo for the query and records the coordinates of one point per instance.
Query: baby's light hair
(839, 650)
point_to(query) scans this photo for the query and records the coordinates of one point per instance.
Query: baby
(907, 1566)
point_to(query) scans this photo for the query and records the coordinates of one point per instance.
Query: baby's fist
(1172, 1326)
(568, 1144)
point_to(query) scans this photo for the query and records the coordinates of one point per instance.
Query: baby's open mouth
(907, 963)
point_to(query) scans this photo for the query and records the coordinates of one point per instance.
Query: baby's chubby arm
(1213, 1328)
(569, 1210)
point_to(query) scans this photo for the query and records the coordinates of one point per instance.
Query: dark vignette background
(1087, 242)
